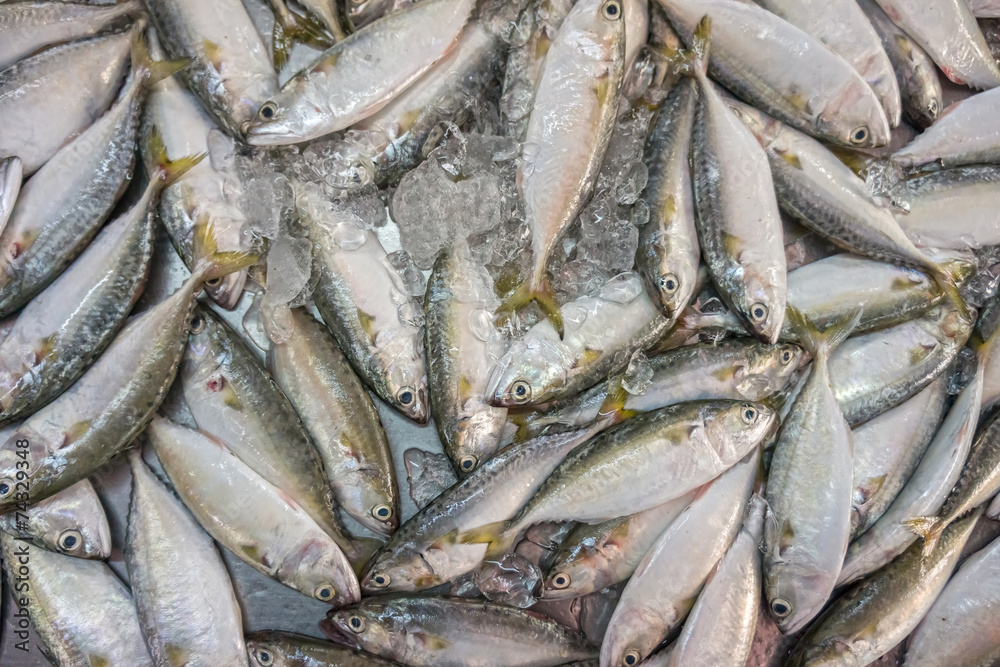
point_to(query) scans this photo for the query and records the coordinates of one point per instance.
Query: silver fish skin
(668, 255)
(423, 552)
(10, 186)
(968, 133)
(668, 579)
(82, 612)
(843, 27)
(360, 13)
(28, 27)
(924, 492)
(71, 522)
(888, 449)
(49, 98)
(342, 420)
(601, 334)
(259, 523)
(230, 68)
(719, 631)
(454, 632)
(462, 345)
(954, 631)
(328, 12)
(915, 72)
(354, 78)
(357, 294)
(985, 9)
(751, 48)
(272, 648)
(875, 615)
(595, 557)
(876, 371)
(947, 30)
(809, 524)
(953, 209)
(991, 378)
(187, 609)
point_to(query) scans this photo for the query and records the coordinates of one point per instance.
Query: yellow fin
(367, 324)
(76, 431)
(669, 210)
(543, 295)
(167, 170)
(213, 53)
(790, 158)
(150, 71)
(929, 528)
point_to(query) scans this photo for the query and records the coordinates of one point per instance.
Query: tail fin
(291, 27)
(209, 262)
(946, 280)
(497, 536)
(540, 291)
(929, 528)
(692, 61)
(148, 71)
(824, 343)
(612, 410)
(166, 170)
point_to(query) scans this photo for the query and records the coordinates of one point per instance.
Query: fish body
(968, 133)
(271, 648)
(10, 186)
(953, 209)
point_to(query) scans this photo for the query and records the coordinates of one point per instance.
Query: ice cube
(428, 474)
(638, 374)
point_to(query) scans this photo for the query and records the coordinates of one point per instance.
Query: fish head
(206, 355)
(734, 428)
(372, 626)
(292, 116)
(406, 382)
(763, 307)
(74, 523)
(226, 290)
(768, 370)
(571, 579)
(24, 445)
(795, 596)
(832, 652)
(854, 118)
(321, 570)
(634, 633)
(599, 26)
(398, 570)
(530, 371)
(477, 438)
(266, 649)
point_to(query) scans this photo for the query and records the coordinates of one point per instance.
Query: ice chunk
(413, 283)
(638, 375)
(961, 371)
(623, 288)
(580, 277)
(289, 266)
(428, 474)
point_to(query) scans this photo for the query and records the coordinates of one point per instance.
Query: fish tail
(817, 343)
(497, 537)
(946, 280)
(692, 61)
(149, 71)
(166, 171)
(929, 528)
(539, 290)
(291, 27)
(210, 263)
(612, 410)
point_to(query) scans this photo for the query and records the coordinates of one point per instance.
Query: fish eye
(405, 396)
(380, 580)
(631, 658)
(749, 413)
(69, 540)
(758, 312)
(561, 581)
(786, 356)
(859, 135)
(468, 463)
(383, 512)
(268, 111)
(263, 657)
(214, 282)
(197, 324)
(780, 608)
(357, 624)
(612, 11)
(669, 283)
(932, 107)
(325, 592)
(521, 391)
(6, 487)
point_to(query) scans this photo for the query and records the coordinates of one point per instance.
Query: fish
(354, 78)
(809, 524)
(668, 254)
(454, 632)
(947, 30)
(341, 418)
(290, 27)
(71, 522)
(888, 449)
(599, 556)
(873, 616)
(569, 128)
(364, 302)
(601, 333)
(425, 551)
(259, 523)
(915, 72)
(843, 27)
(966, 134)
(720, 629)
(952, 209)
(230, 70)
(986, 9)
(360, 13)
(272, 648)
(234, 400)
(28, 27)
(187, 609)
(11, 170)
(822, 95)
(461, 343)
(51, 97)
(668, 579)
(327, 12)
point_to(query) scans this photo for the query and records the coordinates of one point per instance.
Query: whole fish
(809, 524)
(875, 615)
(594, 557)
(365, 304)
(738, 369)
(71, 522)
(424, 553)
(843, 27)
(271, 648)
(10, 187)
(569, 128)
(53, 96)
(462, 344)
(454, 632)
(665, 584)
(947, 30)
(254, 519)
(82, 613)
(355, 78)
(719, 631)
(953, 209)
(230, 69)
(668, 255)
(233, 399)
(751, 51)
(915, 72)
(967, 134)
(601, 334)
(28, 27)
(342, 420)
(955, 630)
(188, 611)
(888, 449)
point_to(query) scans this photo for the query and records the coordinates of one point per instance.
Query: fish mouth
(228, 292)
(257, 134)
(331, 628)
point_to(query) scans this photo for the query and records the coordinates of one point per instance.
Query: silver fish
(10, 187)
(271, 648)
(188, 611)
(71, 522)
(953, 209)
(968, 133)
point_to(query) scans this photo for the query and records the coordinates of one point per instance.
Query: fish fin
(927, 527)
(817, 343)
(209, 262)
(613, 408)
(790, 158)
(47, 347)
(213, 53)
(176, 655)
(872, 486)
(431, 642)
(693, 61)
(497, 538)
(291, 27)
(98, 661)
(150, 71)
(543, 295)
(945, 282)
(368, 325)
(588, 356)
(167, 170)
(522, 420)
(75, 432)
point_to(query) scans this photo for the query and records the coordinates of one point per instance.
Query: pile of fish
(679, 319)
